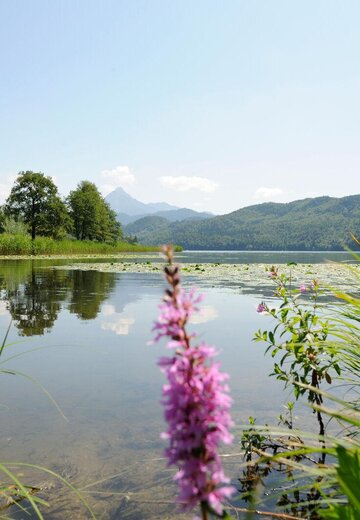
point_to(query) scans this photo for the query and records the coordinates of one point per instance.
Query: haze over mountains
(321, 223)
(128, 209)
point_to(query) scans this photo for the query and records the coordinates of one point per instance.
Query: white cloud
(118, 322)
(5, 187)
(4, 191)
(121, 176)
(121, 326)
(268, 193)
(108, 309)
(183, 183)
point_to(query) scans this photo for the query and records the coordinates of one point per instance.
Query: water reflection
(87, 292)
(33, 303)
(118, 322)
(97, 364)
(34, 297)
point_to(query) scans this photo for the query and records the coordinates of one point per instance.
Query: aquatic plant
(196, 401)
(299, 336)
(314, 346)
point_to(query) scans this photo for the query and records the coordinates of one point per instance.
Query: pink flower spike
(303, 288)
(196, 402)
(261, 307)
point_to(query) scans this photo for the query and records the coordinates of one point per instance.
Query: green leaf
(349, 475)
(328, 378)
(339, 512)
(337, 368)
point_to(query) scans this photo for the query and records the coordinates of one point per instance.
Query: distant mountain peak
(121, 202)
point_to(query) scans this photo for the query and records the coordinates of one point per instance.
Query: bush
(14, 227)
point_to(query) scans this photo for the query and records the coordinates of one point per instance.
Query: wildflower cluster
(196, 403)
(299, 337)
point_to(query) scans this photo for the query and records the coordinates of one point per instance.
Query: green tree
(92, 217)
(34, 199)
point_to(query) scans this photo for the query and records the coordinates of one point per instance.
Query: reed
(23, 245)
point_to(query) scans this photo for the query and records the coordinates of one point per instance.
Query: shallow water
(84, 336)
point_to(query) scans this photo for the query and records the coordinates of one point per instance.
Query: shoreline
(81, 255)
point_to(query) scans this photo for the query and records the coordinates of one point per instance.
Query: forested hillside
(322, 223)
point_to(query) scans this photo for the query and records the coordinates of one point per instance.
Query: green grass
(23, 245)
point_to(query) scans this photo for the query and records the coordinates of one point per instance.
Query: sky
(207, 104)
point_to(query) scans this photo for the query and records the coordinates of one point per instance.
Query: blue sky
(206, 104)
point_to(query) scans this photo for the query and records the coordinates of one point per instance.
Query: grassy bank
(23, 245)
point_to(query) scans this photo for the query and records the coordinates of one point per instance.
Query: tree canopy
(92, 217)
(322, 223)
(34, 199)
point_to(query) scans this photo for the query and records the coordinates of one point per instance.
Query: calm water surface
(84, 336)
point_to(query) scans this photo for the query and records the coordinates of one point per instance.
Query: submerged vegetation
(13, 491)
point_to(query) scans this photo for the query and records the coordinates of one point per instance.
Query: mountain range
(128, 209)
(321, 223)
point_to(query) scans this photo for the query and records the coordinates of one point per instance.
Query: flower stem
(204, 511)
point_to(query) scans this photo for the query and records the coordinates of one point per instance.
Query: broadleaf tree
(92, 217)
(35, 200)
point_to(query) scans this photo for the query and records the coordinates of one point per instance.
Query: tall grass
(23, 245)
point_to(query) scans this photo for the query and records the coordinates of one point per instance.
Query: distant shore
(130, 254)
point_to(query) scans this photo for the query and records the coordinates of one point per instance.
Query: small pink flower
(261, 307)
(303, 288)
(272, 274)
(314, 285)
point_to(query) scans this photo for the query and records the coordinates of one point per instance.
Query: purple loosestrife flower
(303, 288)
(261, 307)
(314, 285)
(196, 403)
(273, 272)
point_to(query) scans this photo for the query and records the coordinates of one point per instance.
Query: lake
(84, 335)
